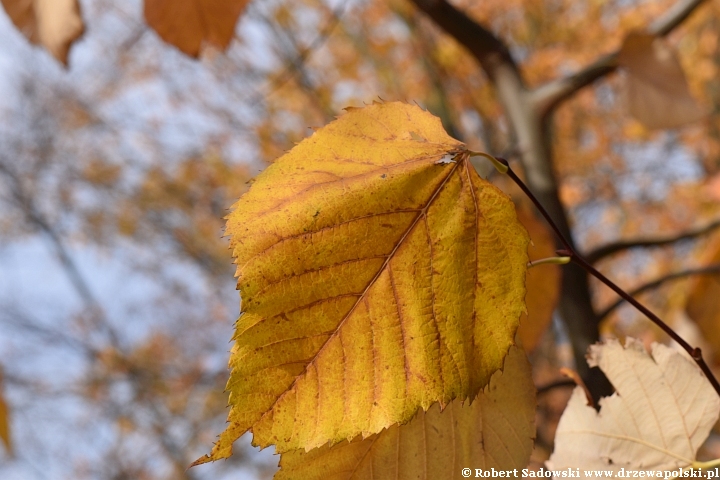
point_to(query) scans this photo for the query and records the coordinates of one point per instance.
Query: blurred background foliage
(116, 291)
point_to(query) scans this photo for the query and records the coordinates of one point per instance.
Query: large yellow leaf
(661, 413)
(188, 24)
(54, 24)
(378, 273)
(495, 431)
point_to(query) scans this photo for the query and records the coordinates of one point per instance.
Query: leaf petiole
(696, 465)
(549, 261)
(499, 166)
(706, 465)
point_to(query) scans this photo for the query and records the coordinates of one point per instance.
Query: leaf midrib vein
(367, 288)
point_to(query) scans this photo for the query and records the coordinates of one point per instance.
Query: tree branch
(709, 270)
(492, 53)
(35, 218)
(559, 383)
(674, 16)
(549, 95)
(598, 254)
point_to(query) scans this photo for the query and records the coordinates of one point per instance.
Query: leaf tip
(215, 454)
(201, 460)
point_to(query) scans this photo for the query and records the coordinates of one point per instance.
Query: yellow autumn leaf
(495, 431)
(378, 273)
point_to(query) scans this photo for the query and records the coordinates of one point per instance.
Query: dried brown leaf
(188, 24)
(656, 91)
(53, 24)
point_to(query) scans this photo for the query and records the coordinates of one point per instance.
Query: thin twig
(598, 254)
(709, 270)
(559, 383)
(303, 54)
(538, 205)
(72, 271)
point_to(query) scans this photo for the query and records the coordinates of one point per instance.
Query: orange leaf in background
(53, 24)
(712, 187)
(5, 420)
(702, 303)
(542, 282)
(188, 24)
(656, 91)
(494, 431)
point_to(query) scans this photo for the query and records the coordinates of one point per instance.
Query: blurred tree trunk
(529, 112)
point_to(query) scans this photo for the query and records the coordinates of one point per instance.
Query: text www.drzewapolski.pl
(580, 473)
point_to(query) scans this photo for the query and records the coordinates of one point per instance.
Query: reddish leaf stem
(569, 251)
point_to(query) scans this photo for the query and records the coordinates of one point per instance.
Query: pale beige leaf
(188, 24)
(495, 431)
(53, 24)
(661, 413)
(656, 91)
